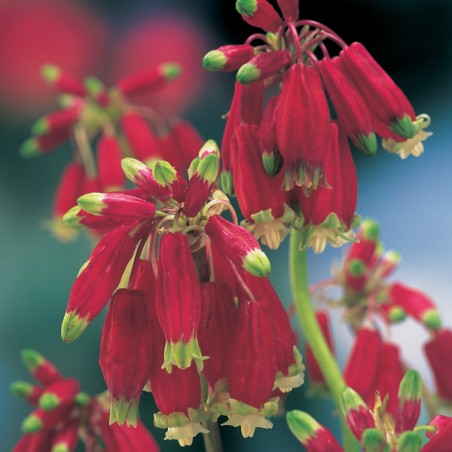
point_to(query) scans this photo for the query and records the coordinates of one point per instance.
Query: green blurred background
(412, 199)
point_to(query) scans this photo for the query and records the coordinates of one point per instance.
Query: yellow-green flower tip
(29, 149)
(404, 127)
(370, 229)
(181, 354)
(302, 425)
(71, 218)
(21, 389)
(351, 400)
(214, 61)
(248, 73)
(226, 182)
(257, 263)
(164, 173)
(40, 127)
(50, 72)
(367, 144)
(31, 424)
(411, 386)
(124, 411)
(93, 85)
(73, 326)
(31, 359)
(373, 440)
(409, 442)
(246, 7)
(92, 203)
(82, 399)
(61, 447)
(431, 319)
(170, 70)
(48, 402)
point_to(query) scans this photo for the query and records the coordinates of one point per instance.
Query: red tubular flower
(66, 438)
(30, 393)
(389, 375)
(303, 127)
(37, 442)
(118, 206)
(142, 278)
(43, 144)
(259, 13)
(362, 365)
(238, 245)
(178, 302)
(384, 98)
(289, 9)
(109, 156)
(314, 436)
(251, 367)
(228, 58)
(144, 144)
(148, 81)
(439, 355)
(316, 376)
(125, 354)
(263, 66)
(261, 200)
(365, 248)
(252, 103)
(271, 157)
(59, 120)
(416, 304)
(63, 81)
(409, 399)
(59, 395)
(99, 279)
(357, 415)
(216, 329)
(289, 365)
(351, 110)
(41, 368)
(328, 212)
(204, 172)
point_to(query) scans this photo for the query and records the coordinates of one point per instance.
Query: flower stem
(313, 334)
(212, 440)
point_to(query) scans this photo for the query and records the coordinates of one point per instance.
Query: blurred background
(411, 199)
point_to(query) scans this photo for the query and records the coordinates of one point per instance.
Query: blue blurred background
(411, 199)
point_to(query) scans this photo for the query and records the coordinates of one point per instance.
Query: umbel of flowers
(190, 303)
(281, 130)
(64, 415)
(104, 125)
(371, 305)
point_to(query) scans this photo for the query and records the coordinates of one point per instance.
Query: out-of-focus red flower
(158, 39)
(60, 32)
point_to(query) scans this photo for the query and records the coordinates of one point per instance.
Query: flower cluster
(371, 427)
(281, 135)
(371, 304)
(103, 126)
(64, 415)
(189, 302)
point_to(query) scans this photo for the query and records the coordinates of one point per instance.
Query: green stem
(313, 334)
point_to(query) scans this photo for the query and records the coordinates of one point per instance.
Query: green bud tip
(411, 386)
(131, 167)
(73, 326)
(122, 410)
(50, 73)
(30, 148)
(404, 127)
(170, 70)
(373, 440)
(210, 147)
(21, 389)
(61, 447)
(368, 144)
(370, 229)
(302, 425)
(214, 61)
(351, 400)
(82, 399)
(396, 314)
(257, 263)
(272, 163)
(208, 168)
(31, 359)
(40, 127)
(409, 442)
(32, 424)
(48, 402)
(248, 73)
(93, 85)
(92, 203)
(356, 267)
(393, 256)
(71, 218)
(432, 319)
(164, 173)
(226, 183)
(246, 7)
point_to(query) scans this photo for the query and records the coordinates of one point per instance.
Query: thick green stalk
(313, 334)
